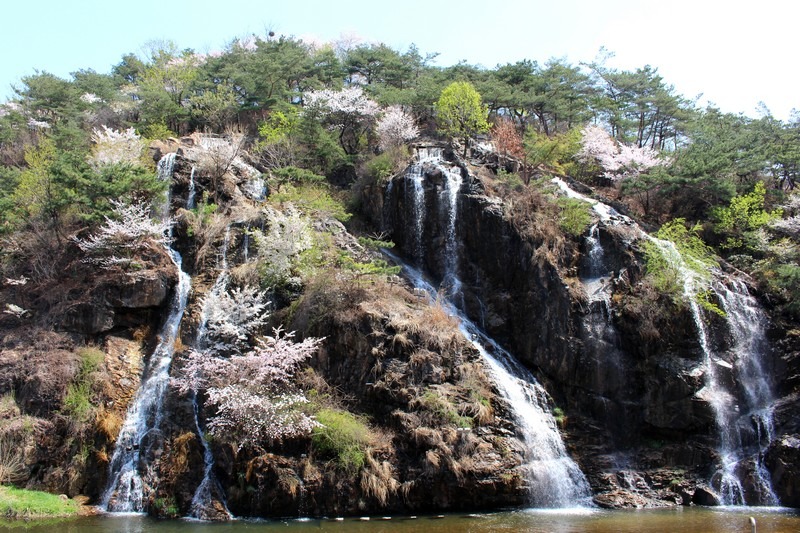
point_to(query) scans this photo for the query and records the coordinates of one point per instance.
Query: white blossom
(395, 128)
(38, 124)
(286, 236)
(231, 318)
(252, 394)
(15, 310)
(130, 230)
(90, 98)
(347, 101)
(618, 160)
(113, 147)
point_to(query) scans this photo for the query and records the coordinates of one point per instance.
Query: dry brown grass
(378, 480)
(142, 333)
(12, 461)
(180, 450)
(108, 423)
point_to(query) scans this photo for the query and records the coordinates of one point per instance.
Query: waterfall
(209, 486)
(452, 188)
(743, 414)
(415, 195)
(129, 468)
(164, 170)
(191, 202)
(596, 285)
(750, 423)
(555, 480)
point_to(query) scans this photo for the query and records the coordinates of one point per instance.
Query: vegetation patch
(342, 436)
(25, 504)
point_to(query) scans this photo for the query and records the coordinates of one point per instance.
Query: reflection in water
(710, 520)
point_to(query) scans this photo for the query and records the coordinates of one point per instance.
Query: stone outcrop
(624, 391)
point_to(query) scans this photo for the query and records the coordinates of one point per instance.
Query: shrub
(12, 463)
(77, 403)
(380, 167)
(343, 436)
(575, 216)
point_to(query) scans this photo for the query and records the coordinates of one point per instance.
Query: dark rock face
(783, 461)
(629, 387)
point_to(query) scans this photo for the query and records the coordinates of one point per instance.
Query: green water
(707, 520)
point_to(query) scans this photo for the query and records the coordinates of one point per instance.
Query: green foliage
(381, 167)
(376, 267)
(26, 504)
(279, 125)
(343, 436)
(312, 199)
(744, 215)
(295, 176)
(156, 131)
(460, 112)
(441, 408)
(553, 152)
(77, 403)
(574, 216)
(681, 253)
(166, 507)
(375, 244)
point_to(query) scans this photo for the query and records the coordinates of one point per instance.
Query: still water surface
(706, 520)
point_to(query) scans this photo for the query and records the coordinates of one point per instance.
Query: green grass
(343, 436)
(23, 504)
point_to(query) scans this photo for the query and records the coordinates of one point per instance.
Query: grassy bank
(19, 503)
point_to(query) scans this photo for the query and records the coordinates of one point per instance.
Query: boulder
(783, 462)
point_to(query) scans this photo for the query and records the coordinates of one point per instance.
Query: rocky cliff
(623, 362)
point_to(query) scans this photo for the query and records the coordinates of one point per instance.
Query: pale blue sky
(736, 53)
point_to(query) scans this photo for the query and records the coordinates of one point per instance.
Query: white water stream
(554, 479)
(743, 404)
(129, 470)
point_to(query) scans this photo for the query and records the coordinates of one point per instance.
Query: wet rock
(783, 462)
(704, 495)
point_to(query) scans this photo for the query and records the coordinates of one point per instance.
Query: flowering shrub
(251, 394)
(617, 160)
(287, 235)
(112, 147)
(129, 230)
(395, 128)
(232, 318)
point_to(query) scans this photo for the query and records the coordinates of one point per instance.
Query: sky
(731, 54)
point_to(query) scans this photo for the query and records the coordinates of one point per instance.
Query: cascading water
(129, 469)
(209, 487)
(415, 196)
(751, 421)
(554, 478)
(741, 432)
(164, 170)
(452, 188)
(191, 200)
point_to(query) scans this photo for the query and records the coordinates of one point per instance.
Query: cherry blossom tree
(349, 111)
(231, 318)
(286, 236)
(129, 230)
(618, 161)
(113, 147)
(252, 395)
(395, 128)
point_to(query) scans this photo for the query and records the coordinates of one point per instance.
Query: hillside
(283, 280)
